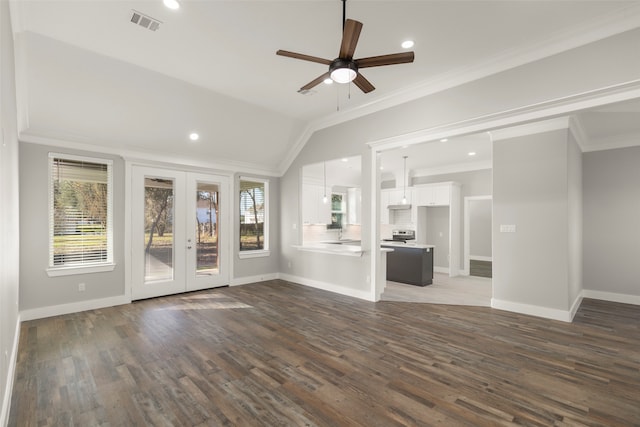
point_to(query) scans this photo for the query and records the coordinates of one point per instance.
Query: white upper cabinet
(314, 211)
(433, 194)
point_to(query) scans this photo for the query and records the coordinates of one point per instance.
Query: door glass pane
(207, 229)
(158, 229)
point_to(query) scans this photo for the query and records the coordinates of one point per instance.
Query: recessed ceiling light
(381, 168)
(471, 153)
(194, 136)
(407, 44)
(444, 140)
(345, 159)
(328, 81)
(171, 4)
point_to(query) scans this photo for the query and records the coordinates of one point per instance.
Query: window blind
(80, 211)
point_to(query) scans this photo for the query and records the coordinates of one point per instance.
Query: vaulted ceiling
(95, 77)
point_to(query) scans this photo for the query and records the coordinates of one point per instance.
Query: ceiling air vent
(144, 20)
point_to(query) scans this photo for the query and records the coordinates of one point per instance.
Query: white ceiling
(228, 48)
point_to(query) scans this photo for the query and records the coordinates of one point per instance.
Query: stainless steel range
(401, 236)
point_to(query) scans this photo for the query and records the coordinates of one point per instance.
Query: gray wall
(36, 288)
(480, 228)
(437, 218)
(251, 267)
(9, 212)
(575, 215)
(530, 191)
(611, 183)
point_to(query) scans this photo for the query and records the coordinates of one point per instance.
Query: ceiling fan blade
(315, 82)
(303, 57)
(364, 84)
(391, 59)
(350, 38)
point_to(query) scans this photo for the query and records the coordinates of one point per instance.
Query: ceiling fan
(344, 68)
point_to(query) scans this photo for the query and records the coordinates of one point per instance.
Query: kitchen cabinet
(354, 206)
(314, 211)
(410, 264)
(433, 194)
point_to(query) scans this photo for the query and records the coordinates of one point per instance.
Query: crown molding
(578, 132)
(147, 156)
(530, 128)
(610, 143)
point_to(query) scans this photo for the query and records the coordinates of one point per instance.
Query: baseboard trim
(238, 281)
(575, 306)
(611, 296)
(532, 310)
(444, 270)
(11, 373)
(74, 307)
(325, 286)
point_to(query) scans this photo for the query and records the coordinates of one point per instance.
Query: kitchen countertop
(407, 245)
(335, 249)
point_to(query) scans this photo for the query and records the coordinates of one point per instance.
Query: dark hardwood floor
(480, 268)
(279, 354)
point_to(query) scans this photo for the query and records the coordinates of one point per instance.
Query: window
(80, 213)
(254, 236)
(338, 211)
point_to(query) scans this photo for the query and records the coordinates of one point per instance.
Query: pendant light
(324, 188)
(404, 187)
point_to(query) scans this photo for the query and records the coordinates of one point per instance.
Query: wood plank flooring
(279, 354)
(480, 268)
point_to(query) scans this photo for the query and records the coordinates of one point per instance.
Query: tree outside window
(253, 215)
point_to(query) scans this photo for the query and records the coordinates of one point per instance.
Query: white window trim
(109, 264)
(260, 252)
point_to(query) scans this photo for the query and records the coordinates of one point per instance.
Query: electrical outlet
(289, 264)
(82, 287)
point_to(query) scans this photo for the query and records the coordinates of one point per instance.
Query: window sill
(254, 254)
(79, 269)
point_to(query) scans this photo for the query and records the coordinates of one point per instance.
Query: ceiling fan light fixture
(343, 75)
(343, 70)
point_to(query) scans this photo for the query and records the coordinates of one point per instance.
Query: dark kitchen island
(410, 263)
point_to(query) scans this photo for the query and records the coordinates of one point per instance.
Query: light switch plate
(507, 228)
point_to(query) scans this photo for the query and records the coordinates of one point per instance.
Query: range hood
(400, 207)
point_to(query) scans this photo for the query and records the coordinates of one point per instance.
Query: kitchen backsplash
(319, 233)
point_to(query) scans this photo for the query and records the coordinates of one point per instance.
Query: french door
(180, 229)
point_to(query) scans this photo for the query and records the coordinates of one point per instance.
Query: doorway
(180, 233)
(478, 258)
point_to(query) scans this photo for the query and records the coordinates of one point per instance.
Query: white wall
(9, 214)
(611, 182)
